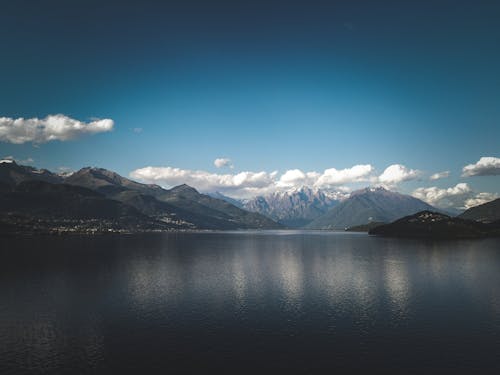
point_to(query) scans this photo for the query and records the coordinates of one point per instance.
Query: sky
(252, 97)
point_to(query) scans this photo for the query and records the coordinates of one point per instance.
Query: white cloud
(249, 184)
(240, 184)
(460, 196)
(64, 169)
(330, 178)
(51, 128)
(397, 173)
(486, 166)
(19, 161)
(480, 198)
(443, 197)
(333, 177)
(297, 178)
(223, 162)
(26, 161)
(137, 130)
(292, 177)
(439, 175)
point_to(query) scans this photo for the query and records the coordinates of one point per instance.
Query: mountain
(108, 182)
(182, 203)
(43, 206)
(367, 205)
(12, 174)
(486, 213)
(180, 207)
(140, 196)
(293, 208)
(429, 224)
(44, 199)
(235, 202)
(229, 216)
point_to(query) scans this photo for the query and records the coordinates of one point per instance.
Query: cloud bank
(248, 184)
(486, 166)
(460, 196)
(337, 181)
(240, 184)
(51, 128)
(480, 198)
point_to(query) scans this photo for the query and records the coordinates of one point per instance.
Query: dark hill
(181, 203)
(187, 198)
(61, 205)
(427, 224)
(108, 182)
(486, 213)
(12, 174)
(365, 227)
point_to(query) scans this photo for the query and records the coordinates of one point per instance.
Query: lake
(234, 302)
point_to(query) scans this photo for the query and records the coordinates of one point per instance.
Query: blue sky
(274, 86)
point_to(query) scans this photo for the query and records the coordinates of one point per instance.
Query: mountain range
(34, 206)
(293, 208)
(179, 208)
(318, 209)
(95, 199)
(368, 205)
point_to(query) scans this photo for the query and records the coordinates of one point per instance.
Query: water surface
(246, 302)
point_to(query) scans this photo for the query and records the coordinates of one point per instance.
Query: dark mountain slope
(365, 227)
(44, 199)
(235, 202)
(429, 224)
(367, 205)
(182, 203)
(12, 174)
(65, 206)
(108, 182)
(486, 213)
(190, 199)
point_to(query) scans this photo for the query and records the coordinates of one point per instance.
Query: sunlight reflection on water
(84, 301)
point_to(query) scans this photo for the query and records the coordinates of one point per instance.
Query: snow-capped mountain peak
(293, 207)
